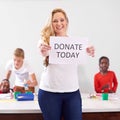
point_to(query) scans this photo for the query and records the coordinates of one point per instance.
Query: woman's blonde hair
(18, 52)
(47, 31)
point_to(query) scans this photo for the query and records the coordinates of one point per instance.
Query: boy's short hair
(19, 52)
(103, 57)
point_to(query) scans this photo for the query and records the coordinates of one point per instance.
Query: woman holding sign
(59, 93)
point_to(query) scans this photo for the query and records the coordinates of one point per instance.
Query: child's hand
(111, 91)
(106, 86)
(29, 82)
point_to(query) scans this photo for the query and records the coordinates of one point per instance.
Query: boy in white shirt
(23, 72)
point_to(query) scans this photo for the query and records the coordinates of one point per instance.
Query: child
(4, 86)
(105, 80)
(23, 72)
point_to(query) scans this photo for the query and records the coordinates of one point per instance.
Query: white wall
(99, 20)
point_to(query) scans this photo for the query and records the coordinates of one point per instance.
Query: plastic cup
(104, 96)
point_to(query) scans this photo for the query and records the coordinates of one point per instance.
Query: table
(97, 109)
(92, 108)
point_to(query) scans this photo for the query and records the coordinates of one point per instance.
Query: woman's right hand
(44, 49)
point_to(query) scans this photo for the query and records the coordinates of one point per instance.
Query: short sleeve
(9, 65)
(29, 68)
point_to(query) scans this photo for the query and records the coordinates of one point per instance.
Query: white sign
(68, 50)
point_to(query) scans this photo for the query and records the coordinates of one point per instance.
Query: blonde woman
(59, 93)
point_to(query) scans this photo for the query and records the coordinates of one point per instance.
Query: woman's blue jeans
(54, 106)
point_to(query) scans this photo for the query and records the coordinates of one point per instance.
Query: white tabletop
(88, 105)
(8, 105)
(96, 104)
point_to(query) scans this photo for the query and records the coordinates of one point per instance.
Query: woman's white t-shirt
(20, 74)
(59, 78)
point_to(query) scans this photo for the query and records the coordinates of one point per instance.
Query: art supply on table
(105, 96)
(25, 97)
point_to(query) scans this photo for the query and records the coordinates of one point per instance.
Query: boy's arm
(96, 85)
(115, 84)
(8, 74)
(33, 81)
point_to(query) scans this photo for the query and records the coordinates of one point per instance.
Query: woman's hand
(44, 49)
(90, 51)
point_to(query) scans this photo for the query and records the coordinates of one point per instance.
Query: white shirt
(59, 78)
(20, 74)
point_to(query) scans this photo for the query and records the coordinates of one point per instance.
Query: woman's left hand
(90, 51)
